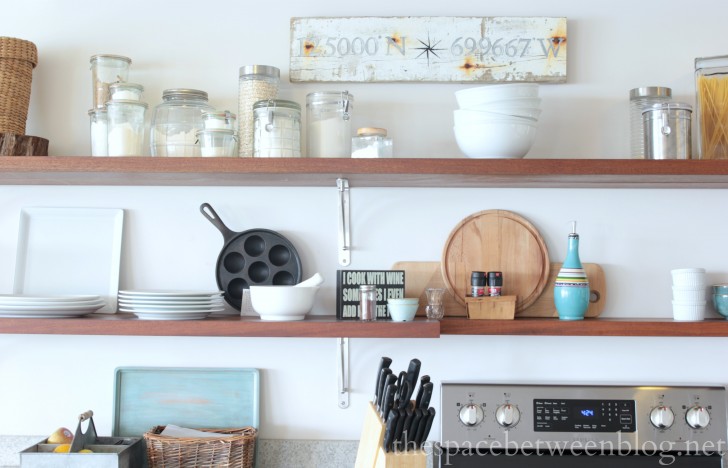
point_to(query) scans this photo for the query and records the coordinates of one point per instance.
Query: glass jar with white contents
(126, 91)
(371, 142)
(277, 129)
(328, 132)
(225, 120)
(256, 83)
(99, 128)
(217, 143)
(125, 135)
(176, 121)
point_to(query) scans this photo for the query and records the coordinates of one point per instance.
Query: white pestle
(315, 280)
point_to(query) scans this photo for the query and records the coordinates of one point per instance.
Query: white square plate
(70, 251)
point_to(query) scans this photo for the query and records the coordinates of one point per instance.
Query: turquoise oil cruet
(571, 289)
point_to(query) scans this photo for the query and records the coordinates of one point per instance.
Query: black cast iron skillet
(252, 257)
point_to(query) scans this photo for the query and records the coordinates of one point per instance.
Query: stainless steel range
(503, 425)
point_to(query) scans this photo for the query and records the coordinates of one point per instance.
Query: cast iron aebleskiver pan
(252, 257)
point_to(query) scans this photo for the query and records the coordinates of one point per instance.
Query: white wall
(637, 235)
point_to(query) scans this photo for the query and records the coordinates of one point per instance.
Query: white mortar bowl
(281, 303)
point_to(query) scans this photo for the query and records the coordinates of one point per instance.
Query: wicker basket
(18, 57)
(201, 452)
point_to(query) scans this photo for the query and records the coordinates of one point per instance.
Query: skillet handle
(212, 216)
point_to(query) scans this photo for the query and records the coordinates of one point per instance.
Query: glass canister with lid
(223, 120)
(256, 83)
(639, 100)
(126, 91)
(711, 84)
(371, 142)
(99, 128)
(328, 131)
(176, 121)
(277, 129)
(105, 70)
(125, 135)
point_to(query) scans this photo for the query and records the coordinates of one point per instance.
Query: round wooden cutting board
(497, 240)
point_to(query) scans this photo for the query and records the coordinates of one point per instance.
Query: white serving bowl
(468, 117)
(402, 311)
(495, 139)
(495, 92)
(534, 103)
(282, 302)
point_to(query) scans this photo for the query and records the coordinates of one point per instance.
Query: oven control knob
(471, 414)
(507, 415)
(697, 417)
(662, 417)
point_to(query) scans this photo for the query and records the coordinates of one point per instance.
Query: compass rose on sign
(428, 48)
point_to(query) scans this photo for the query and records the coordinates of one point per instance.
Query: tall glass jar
(99, 128)
(328, 132)
(277, 129)
(256, 83)
(105, 70)
(176, 121)
(711, 83)
(639, 100)
(126, 127)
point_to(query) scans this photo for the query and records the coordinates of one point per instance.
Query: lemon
(85, 451)
(63, 448)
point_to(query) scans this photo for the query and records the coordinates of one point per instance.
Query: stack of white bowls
(498, 120)
(688, 294)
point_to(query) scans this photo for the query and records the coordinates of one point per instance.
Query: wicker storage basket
(18, 57)
(201, 452)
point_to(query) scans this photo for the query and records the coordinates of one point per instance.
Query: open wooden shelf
(398, 172)
(329, 327)
(231, 326)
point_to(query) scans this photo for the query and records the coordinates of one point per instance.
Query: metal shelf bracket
(344, 222)
(342, 368)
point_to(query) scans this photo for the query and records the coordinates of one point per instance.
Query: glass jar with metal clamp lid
(329, 124)
(176, 121)
(276, 129)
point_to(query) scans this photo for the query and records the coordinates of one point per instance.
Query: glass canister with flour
(176, 121)
(125, 135)
(277, 129)
(328, 131)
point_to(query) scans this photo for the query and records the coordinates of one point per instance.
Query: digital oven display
(552, 415)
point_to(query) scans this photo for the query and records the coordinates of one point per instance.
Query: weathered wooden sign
(455, 49)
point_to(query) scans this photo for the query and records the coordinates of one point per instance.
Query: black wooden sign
(389, 283)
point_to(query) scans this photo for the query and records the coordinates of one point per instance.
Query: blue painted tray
(145, 397)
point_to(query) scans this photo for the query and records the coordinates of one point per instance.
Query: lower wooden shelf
(328, 327)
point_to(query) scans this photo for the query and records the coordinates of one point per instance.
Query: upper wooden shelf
(398, 172)
(329, 327)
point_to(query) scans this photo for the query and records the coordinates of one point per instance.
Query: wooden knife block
(371, 454)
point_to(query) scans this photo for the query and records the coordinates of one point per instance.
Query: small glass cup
(435, 309)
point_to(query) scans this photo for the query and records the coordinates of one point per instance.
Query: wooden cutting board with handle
(422, 275)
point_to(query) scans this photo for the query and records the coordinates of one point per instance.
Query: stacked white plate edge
(56, 306)
(688, 294)
(163, 304)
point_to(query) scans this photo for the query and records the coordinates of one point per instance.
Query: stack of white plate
(26, 306)
(171, 304)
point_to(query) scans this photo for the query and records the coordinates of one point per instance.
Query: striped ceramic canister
(571, 289)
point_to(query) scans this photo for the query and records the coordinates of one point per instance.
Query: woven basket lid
(19, 49)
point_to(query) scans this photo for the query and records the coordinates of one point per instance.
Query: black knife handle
(388, 399)
(413, 372)
(384, 363)
(428, 426)
(426, 396)
(390, 429)
(400, 426)
(409, 416)
(382, 384)
(423, 380)
(411, 438)
(421, 427)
